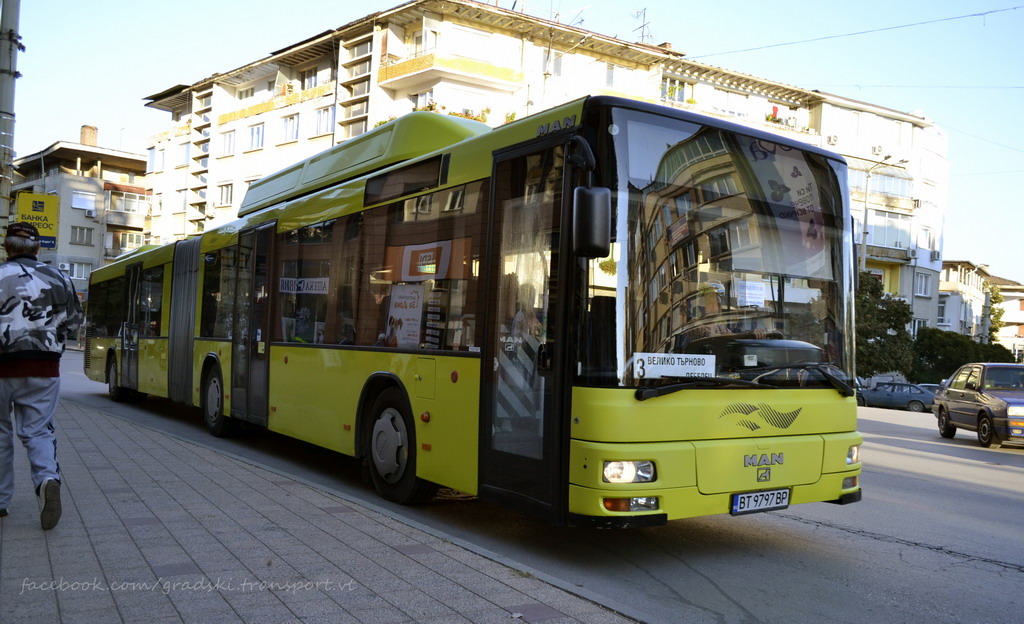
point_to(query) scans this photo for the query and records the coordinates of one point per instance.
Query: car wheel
(986, 432)
(217, 422)
(392, 451)
(946, 428)
(916, 406)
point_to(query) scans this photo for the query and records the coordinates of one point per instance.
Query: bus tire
(217, 422)
(392, 451)
(115, 391)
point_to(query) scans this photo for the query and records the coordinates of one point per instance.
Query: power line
(853, 34)
(878, 86)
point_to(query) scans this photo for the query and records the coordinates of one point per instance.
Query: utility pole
(10, 45)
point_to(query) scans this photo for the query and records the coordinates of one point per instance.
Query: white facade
(478, 60)
(1011, 334)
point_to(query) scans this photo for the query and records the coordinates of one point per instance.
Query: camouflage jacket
(38, 309)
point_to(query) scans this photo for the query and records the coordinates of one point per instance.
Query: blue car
(897, 396)
(984, 398)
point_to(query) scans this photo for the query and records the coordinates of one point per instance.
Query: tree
(939, 353)
(995, 311)
(883, 342)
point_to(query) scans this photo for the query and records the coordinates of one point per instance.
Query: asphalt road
(939, 536)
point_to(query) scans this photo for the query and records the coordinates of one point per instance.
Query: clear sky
(93, 63)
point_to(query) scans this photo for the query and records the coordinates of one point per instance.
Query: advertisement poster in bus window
(405, 316)
(791, 193)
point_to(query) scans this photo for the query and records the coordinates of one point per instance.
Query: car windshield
(727, 261)
(1005, 378)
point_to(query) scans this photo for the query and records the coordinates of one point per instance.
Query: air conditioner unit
(912, 253)
(64, 266)
(90, 213)
(936, 254)
(876, 150)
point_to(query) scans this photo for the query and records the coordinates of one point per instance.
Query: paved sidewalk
(156, 529)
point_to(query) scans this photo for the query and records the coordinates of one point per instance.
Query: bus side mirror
(592, 219)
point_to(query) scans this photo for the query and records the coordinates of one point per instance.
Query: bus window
(151, 302)
(420, 279)
(219, 279)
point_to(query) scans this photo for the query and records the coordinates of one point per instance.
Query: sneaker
(49, 491)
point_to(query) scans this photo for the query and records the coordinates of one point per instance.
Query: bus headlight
(853, 455)
(629, 471)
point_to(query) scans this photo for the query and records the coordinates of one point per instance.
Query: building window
(83, 200)
(291, 128)
(889, 229)
(180, 200)
(883, 184)
(80, 270)
(361, 49)
(245, 94)
(355, 129)
(675, 90)
(922, 285)
(422, 100)
(325, 120)
(917, 325)
(225, 194)
(128, 241)
(942, 312)
(355, 110)
(360, 88)
(308, 78)
(227, 143)
(129, 202)
(256, 137)
(552, 63)
(609, 75)
(150, 159)
(81, 235)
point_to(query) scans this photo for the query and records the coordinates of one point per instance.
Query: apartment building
(493, 64)
(965, 299)
(103, 202)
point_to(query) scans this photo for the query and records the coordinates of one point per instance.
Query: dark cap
(24, 230)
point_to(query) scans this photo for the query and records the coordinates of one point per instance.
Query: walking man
(38, 309)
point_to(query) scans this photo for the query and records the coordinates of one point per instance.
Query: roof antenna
(644, 28)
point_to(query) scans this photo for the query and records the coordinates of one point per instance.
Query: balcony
(410, 74)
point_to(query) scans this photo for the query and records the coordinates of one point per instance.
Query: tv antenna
(644, 27)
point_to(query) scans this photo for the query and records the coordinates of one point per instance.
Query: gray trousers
(32, 401)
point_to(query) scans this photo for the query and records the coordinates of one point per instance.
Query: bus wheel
(392, 447)
(114, 391)
(217, 423)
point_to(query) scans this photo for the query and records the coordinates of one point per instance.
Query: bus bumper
(589, 506)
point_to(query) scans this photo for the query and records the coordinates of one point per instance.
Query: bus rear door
(250, 347)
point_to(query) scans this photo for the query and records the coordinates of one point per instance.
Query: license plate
(752, 502)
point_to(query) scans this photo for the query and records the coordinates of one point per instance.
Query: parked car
(896, 395)
(933, 388)
(985, 398)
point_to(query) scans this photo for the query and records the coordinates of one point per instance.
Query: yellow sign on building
(41, 211)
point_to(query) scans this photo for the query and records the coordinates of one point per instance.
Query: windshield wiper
(838, 383)
(642, 394)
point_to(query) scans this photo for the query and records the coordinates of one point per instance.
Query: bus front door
(130, 329)
(250, 346)
(521, 456)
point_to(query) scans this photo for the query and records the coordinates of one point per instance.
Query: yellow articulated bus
(610, 313)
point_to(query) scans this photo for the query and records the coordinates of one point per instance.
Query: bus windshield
(729, 260)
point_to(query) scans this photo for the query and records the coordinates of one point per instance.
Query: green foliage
(939, 353)
(995, 311)
(883, 342)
